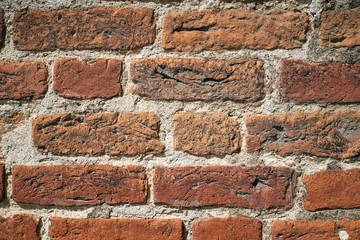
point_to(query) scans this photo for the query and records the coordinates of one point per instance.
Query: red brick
(332, 189)
(322, 134)
(98, 134)
(251, 187)
(340, 28)
(324, 82)
(2, 28)
(227, 228)
(19, 227)
(198, 79)
(206, 133)
(315, 229)
(76, 185)
(81, 79)
(23, 80)
(2, 181)
(234, 29)
(96, 28)
(129, 229)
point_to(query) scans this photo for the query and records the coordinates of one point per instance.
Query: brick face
(130, 229)
(19, 227)
(322, 134)
(341, 192)
(2, 181)
(77, 185)
(98, 134)
(2, 28)
(340, 28)
(251, 187)
(81, 79)
(227, 228)
(198, 79)
(23, 80)
(97, 28)
(325, 82)
(233, 29)
(206, 133)
(315, 229)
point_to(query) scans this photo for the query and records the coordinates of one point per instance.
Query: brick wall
(183, 119)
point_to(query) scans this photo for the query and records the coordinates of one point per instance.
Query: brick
(340, 28)
(2, 181)
(19, 227)
(77, 185)
(81, 79)
(198, 79)
(325, 82)
(233, 29)
(206, 133)
(322, 134)
(98, 134)
(8, 122)
(227, 228)
(251, 187)
(315, 229)
(96, 28)
(23, 80)
(341, 192)
(2, 28)
(127, 228)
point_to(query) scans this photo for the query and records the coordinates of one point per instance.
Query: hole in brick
(59, 17)
(279, 128)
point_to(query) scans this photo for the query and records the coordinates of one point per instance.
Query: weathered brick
(8, 122)
(198, 79)
(251, 187)
(129, 229)
(332, 189)
(81, 79)
(315, 229)
(76, 185)
(23, 80)
(98, 134)
(340, 28)
(324, 82)
(2, 28)
(227, 228)
(96, 28)
(234, 29)
(19, 227)
(206, 133)
(2, 181)
(322, 134)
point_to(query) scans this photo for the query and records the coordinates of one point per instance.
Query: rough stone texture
(314, 229)
(198, 79)
(2, 28)
(325, 82)
(227, 228)
(340, 28)
(19, 227)
(81, 79)
(129, 229)
(233, 29)
(206, 133)
(342, 191)
(76, 185)
(96, 28)
(8, 122)
(23, 80)
(250, 187)
(322, 134)
(98, 134)
(2, 181)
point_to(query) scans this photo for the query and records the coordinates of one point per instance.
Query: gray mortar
(18, 148)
